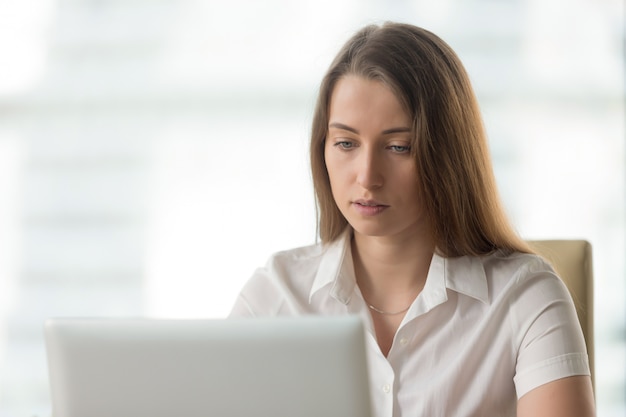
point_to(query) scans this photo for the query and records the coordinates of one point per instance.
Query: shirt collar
(336, 269)
(465, 275)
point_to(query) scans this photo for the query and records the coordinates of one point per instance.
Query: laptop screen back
(266, 367)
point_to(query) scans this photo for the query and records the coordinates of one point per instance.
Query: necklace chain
(387, 313)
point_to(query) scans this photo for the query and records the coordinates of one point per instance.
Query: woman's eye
(344, 144)
(400, 148)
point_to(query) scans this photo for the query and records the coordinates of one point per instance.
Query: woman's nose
(369, 173)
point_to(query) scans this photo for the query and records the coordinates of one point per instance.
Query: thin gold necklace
(387, 313)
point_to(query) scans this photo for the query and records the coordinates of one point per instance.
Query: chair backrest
(572, 260)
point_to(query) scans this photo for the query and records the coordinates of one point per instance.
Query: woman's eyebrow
(397, 130)
(342, 126)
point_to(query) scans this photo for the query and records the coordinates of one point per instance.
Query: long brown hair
(455, 175)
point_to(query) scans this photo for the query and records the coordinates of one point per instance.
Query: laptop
(262, 367)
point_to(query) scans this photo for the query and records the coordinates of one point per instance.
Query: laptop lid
(265, 367)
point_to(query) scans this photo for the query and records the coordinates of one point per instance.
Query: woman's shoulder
(516, 264)
(499, 275)
(300, 253)
(524, 275)
(292, 267)
(295, 259)
(283, 285)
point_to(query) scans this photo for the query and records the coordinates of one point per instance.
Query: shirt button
(404, 341)
(386, 388)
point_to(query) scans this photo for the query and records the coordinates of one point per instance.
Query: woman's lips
(369, 207)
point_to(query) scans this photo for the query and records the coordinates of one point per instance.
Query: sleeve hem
(550, 370)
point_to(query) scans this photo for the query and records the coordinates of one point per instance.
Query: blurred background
(153, 153)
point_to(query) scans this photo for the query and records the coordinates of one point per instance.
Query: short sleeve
(549, 342)
(260, 296)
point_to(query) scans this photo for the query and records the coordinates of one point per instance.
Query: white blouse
(483, 332)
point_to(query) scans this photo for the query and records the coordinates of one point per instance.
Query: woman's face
(368, 156)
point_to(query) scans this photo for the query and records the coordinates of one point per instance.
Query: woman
(463, 319)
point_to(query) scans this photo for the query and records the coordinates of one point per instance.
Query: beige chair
(572, 260)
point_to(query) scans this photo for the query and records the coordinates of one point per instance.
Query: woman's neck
(391, 272)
